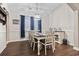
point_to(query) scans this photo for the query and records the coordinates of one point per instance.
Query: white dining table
(39, 37)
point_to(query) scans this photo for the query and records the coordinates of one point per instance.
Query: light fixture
(37, 15)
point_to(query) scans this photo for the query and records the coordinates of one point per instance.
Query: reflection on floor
(23, 49)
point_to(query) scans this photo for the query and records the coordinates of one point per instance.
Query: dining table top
(40, 36)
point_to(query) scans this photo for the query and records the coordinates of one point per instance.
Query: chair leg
(45, 50)
(53, 49)
(31, 44)
(54, 46)
(34, 47)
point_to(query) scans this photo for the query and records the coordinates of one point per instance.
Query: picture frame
(15, 21)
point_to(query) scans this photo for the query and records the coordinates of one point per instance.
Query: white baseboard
(58, 42)
(15, 40)
(10, 42)
(61, 43)
(76, 48)
(70, 44)
(2, 49)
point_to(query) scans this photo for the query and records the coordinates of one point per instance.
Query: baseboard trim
(76, 48)
(15, 40)
(62, 43)
(58, 42)
(2, 49)
(70, 44)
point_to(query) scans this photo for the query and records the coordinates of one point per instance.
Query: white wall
(14, 29)
(63, 17)
(3, 34)
(45, 23)
(76, 31)
(2, 37)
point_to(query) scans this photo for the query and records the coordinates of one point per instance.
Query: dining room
(41, 29)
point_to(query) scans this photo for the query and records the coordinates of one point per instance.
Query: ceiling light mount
(37, 10)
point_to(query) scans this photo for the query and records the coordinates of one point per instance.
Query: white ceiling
(31, 7)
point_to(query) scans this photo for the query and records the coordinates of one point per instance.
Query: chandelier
(37, 15)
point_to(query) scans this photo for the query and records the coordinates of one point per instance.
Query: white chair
(50, 40)
(32, 39)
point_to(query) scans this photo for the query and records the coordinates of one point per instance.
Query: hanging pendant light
(37, 11)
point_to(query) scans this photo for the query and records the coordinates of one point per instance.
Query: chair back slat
(49, 37)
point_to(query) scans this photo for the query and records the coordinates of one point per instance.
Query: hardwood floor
(23, 49)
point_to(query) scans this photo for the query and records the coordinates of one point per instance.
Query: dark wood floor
(23, 49)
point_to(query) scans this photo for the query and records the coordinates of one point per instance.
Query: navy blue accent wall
(39, 25)
(22, 26)
(32, 23)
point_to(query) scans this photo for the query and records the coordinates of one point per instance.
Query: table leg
(38, 47)
(54, 46)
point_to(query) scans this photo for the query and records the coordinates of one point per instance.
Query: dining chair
(32, 39)
(49, 40)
